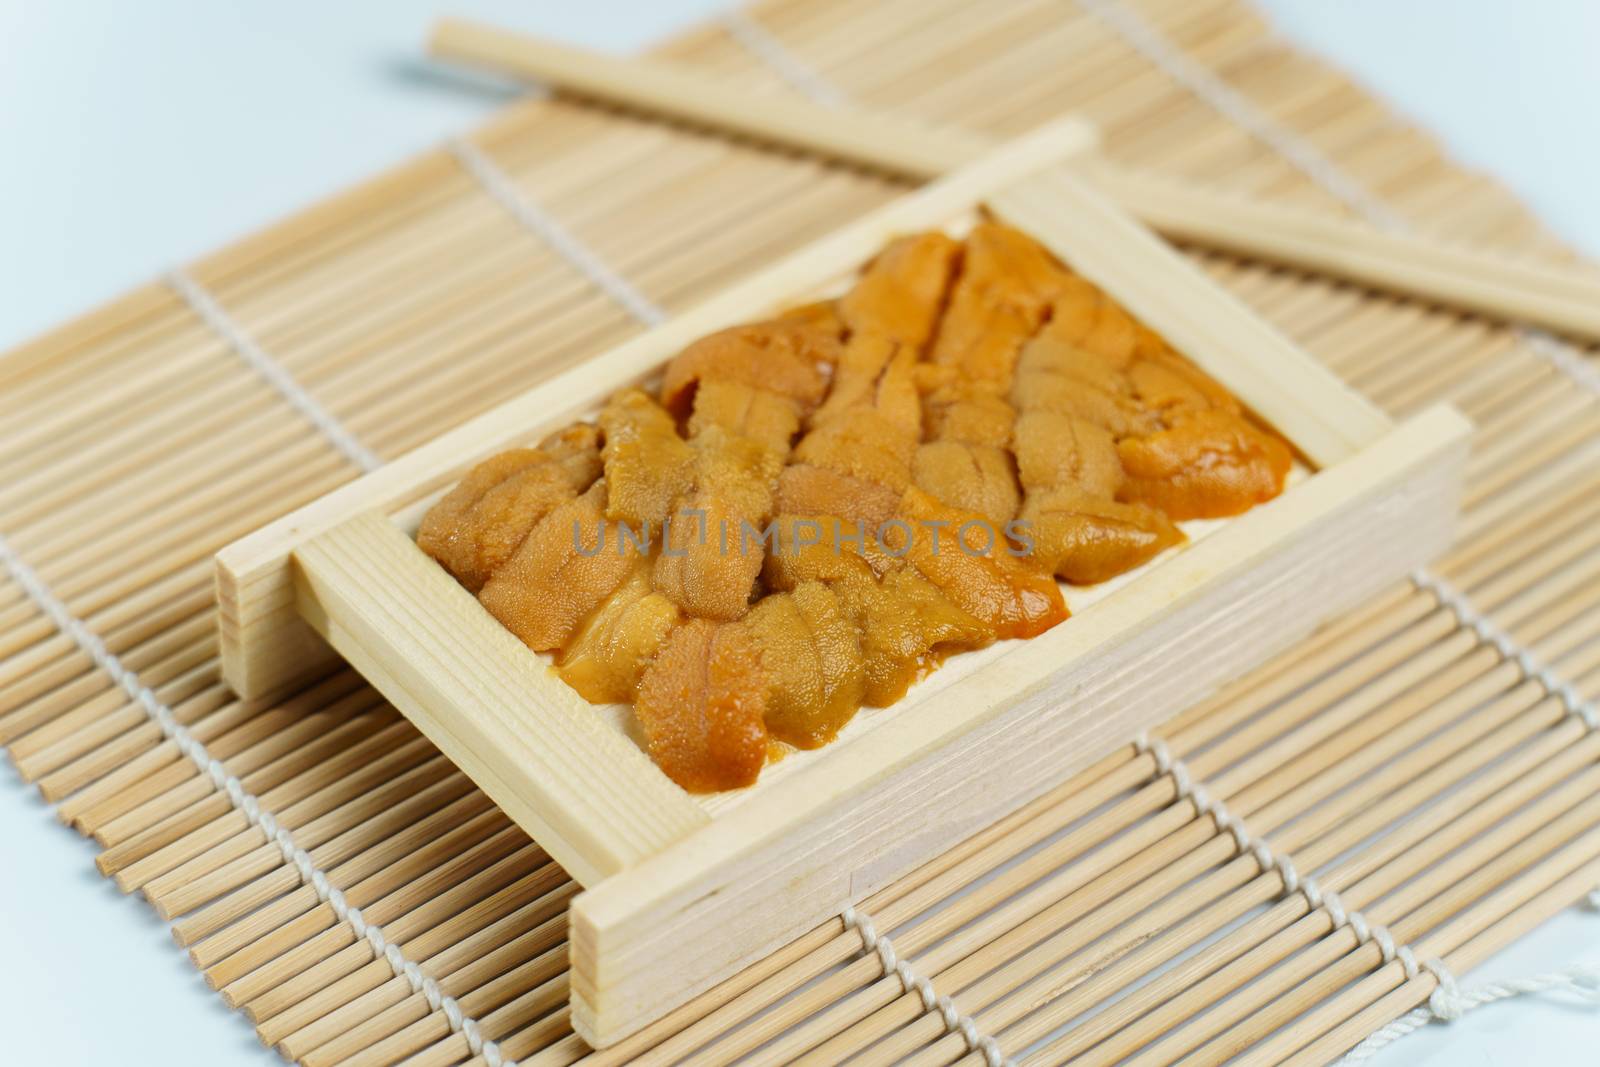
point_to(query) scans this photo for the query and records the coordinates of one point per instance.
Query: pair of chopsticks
(1545, 295)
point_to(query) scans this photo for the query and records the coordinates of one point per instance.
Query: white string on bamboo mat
(759, 41)
(221, 323)
(500, 187)
(1229, 102)
(1293, 882)
(1582, 981)
(1311, 161)
(1235, 106)
(245, 802)
(1447, 1002)
(505, 192)
(1490, 631)
(912, 982)
(1303, 154)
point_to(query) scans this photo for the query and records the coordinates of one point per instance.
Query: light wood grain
(777, 865)
(1326, 419)
(593, 800)
(899, 146)
(264, 644)
(1490, 284)
(1540, 294)
(404, 306)
(1228, 600)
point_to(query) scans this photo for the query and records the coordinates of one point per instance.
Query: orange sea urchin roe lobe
(701, 567)
(702, 706)
(647, 465)
(820, 508)
(1053, 375)
(564, 571)
(978, 478)
(905, 623)
(810, 650)
(479, 523)
(776, 367)
(1085, 539)
(743, 411)
(804, 489)
(966, 558)
(446, 530)
(999, 300)
(609, 653)
(785, 357)
(820, 315)
(1209, 465)
(901, 293)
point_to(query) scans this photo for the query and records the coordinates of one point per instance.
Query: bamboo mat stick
(41, 749)
(1415, 992)
(1245, 802)
(146, 822)
(1258, 68)
(1415, 842)
(735, 1050)
(473, 967)
(1255, 934)
(1444, 775)
(1287, 991)
(427, 820)
(330, 783)
(1417, 857)
(538, 896)
(285, 980)
(497, 891)
(372, 874)
(478, 970)
(1495, 286)
(151, 755)
(1581, 853)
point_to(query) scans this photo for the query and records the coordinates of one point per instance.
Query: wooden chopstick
(1544, 295)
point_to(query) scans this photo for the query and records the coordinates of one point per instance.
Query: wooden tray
(683, 891)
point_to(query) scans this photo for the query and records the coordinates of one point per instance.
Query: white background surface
(136, 136)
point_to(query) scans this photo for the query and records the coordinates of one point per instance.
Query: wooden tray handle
(424, 642)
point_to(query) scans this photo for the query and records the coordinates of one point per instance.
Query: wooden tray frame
(678, 897)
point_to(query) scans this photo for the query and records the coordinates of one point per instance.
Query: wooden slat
(1395, 751)
(591, 797)
(1541, 294)
(264, 646)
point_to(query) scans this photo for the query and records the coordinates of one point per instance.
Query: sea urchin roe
(967, 559)
(648, 466)
(810, 651)
(482, 521)
(1085, 538)
(610, 652)
(700, 565)
(564, 570)
(785, 357)
(906, 624)
(702, 707)
(1208, 465)
(812, 512)
(980, 478)
(901, 293)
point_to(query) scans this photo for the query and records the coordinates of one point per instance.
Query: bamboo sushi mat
(1427, 757)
